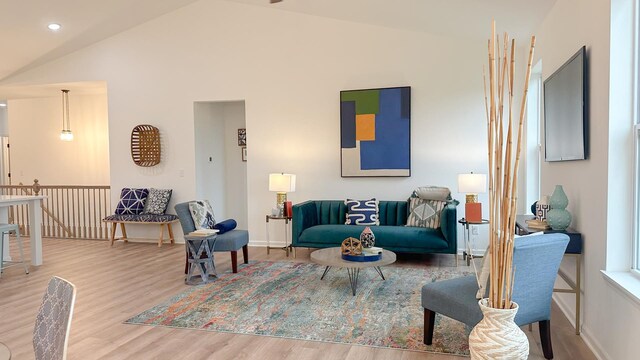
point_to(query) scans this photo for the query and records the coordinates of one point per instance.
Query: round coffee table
(332, 257)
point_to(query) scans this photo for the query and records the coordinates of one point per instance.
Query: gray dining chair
(536, 260)
(232, 241)
(53, 322)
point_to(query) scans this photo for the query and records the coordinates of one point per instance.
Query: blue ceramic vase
(558, 217)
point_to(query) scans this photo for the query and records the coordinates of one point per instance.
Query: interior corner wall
(37, 151)
(609, 318)
(289, 68)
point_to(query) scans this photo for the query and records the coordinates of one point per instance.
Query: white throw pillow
(202, 214)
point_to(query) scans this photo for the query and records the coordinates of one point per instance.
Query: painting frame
(375, 132)
(242, 137)
(244, 153)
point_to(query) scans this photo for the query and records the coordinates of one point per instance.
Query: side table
(467, 253)
(287, 243)
(574, 249)
(200, 259)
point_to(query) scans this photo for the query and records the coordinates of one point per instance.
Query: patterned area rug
(287, 299)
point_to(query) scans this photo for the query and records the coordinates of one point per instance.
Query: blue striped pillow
(362, 212)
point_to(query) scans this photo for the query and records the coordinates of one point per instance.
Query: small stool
(7, 228)
(200, 258)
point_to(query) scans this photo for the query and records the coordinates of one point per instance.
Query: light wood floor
(116, 283)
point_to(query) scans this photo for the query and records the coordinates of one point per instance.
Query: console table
(574, 249)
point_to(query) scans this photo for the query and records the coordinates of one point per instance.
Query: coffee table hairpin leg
(379, 270)
(353, 278)
(326, 270)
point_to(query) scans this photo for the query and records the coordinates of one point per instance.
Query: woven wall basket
(145, 145)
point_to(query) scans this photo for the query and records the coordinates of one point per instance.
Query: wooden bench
(161, 220)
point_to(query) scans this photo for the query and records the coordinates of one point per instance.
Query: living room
(289, 61)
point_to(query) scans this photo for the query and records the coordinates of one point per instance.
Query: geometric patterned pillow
(362, 212)
(202, 214)
(131, 201)
(425, 213)
(157, 201)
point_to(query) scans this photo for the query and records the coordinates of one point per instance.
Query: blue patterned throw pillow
(131, 201)
(202, 214)
(362, 212)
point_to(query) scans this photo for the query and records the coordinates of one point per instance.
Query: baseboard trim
(585, 332)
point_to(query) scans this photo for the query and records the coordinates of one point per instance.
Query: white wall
(210, 154)
(598, 188)
(4, 121)
(289, 68)
(37, 151)
(235, 169)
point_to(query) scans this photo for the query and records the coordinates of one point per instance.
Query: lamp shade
(282, 182)
(472, 183)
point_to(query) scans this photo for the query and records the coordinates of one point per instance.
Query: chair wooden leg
(234, 261)
(171, 239)
(161, 235)
(113, 232)
(545, 338)
(429, 322)
(186, 262)
(124, 232)
(245, 254)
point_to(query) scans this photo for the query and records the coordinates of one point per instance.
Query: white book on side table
(203, 232)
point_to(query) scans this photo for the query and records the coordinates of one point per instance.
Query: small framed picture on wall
(242, 137)
(244, 153)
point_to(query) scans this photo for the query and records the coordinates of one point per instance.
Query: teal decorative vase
(558, 217)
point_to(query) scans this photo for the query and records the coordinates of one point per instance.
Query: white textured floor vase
(497, 336)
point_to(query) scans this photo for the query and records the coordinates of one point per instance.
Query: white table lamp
(282, 184)
(472, 184)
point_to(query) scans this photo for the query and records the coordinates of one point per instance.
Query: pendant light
(65, 134)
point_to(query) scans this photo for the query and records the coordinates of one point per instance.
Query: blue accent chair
(232, 240)
(536, 260)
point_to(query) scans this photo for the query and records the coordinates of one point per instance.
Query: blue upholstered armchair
(536, 260)
(230, 241)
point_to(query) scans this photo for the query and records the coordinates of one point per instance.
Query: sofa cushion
(362, 212)
(425, 213)
(386, 236)
(157, 201)
(131, 201)
(147, 218)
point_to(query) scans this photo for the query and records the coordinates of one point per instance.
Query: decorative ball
(367, 239)
(351, 246)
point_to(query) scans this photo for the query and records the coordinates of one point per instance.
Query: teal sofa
(320, 224)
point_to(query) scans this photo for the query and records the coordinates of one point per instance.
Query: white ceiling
(27, 43)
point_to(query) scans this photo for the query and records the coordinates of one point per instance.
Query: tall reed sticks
(503, 168)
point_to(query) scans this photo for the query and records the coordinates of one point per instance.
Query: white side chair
(53, 322)
(5, 229)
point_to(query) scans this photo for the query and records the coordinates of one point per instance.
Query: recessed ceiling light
(54, 26)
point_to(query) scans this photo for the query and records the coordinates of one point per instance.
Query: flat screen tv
(566, 111)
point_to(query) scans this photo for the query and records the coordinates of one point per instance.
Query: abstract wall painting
(375, 132)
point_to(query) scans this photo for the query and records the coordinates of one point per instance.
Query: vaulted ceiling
(27, 42)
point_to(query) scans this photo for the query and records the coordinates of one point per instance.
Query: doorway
(221, 163)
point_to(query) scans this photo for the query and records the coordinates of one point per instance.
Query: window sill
(626, 282)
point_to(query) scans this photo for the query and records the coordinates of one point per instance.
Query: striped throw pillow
(425, 213)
